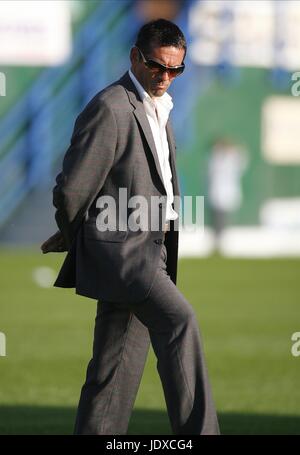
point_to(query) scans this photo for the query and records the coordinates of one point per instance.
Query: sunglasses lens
(156, 67)
(176, 71)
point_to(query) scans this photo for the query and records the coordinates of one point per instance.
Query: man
(123, 140)
(227, 163)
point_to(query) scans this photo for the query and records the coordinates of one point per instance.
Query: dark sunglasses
(156, 67)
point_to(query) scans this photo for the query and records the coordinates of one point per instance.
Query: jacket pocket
(91, 232)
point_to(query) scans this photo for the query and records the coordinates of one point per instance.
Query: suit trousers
(122, 337)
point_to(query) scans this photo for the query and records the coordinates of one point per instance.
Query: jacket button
(158, 241)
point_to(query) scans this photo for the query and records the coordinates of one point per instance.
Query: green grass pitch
(247, 312)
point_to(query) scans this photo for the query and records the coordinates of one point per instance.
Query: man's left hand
(55, 244)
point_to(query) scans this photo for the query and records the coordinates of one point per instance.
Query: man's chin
(158, 91)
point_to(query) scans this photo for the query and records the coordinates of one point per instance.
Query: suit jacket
(112, 147)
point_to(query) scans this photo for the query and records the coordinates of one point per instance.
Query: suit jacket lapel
(143, 121)
(172, 158)
(140, 115)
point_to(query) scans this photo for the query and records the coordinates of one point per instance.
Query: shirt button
(158, 241)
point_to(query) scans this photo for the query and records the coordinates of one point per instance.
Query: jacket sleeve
(86, 165)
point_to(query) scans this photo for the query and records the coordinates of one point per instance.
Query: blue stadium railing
(37, 130)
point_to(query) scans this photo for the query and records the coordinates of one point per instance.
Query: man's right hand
(55, 244)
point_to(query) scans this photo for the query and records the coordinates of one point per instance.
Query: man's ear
(134, 55)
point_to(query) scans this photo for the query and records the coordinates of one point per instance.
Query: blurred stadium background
(237, 122)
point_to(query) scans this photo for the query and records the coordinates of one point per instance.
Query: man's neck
(140, 82)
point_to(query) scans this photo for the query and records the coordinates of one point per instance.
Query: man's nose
(165, 75)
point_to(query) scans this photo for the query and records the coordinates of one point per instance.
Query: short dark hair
(160, 32)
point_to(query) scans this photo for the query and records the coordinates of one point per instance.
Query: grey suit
(131, 274)
(109, 265)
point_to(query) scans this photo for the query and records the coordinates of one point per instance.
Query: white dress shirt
(157, 110)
